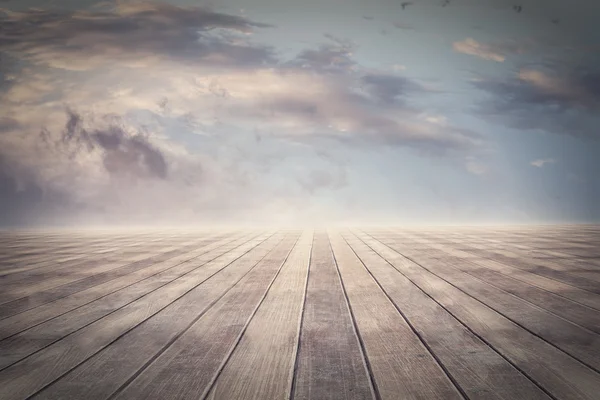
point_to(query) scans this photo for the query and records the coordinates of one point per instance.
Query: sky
(193, 113)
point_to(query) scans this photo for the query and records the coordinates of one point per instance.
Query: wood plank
(30, 283)
(37, 371)
(477, 368)
(134, 283)
(25, 303)
(330, 361)
(90, 253)
(562, 247)
(18, 265)
(39, 244)
(580, 343)
(261, 365)
(557, 304)
(587, 280)
(36, 250)
(158, 338)
(401, 364)
(565, 263)
(23, 344)
(57, 254)
(557, 372)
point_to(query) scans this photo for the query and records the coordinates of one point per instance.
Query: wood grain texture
(478, 369)
(330, 362)
(531, 292)
(261, 366)
(57, 265)
(27, 319)
(57, 292)
(400, 363)
(564, 260)
(128, 355)
(31, 283)
(27, 342)
(33, 373)
(556, 371)
(459, 257)
(481, 313)
(80, 250)
(187, 368)
(587, 280)
(573, 339)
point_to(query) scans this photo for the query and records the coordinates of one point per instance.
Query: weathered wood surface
(476, 367)
(331, 363)
(385, 313)
(261, 365)
(401, 364)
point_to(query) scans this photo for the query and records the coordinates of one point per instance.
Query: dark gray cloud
(131, 31)
(95, 167)
(558, 100)
(334, 56)
(389, 89)
(373, 130)
(123, 154)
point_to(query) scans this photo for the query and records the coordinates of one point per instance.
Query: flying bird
(445, 3)
(367, 17)
(518, 8)
(406, 4)
(556, 21)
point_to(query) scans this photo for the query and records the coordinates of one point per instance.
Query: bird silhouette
(445, 3)
(406, 4)
(518, 8)
(556, 21)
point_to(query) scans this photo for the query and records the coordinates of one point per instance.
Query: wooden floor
(474, 313)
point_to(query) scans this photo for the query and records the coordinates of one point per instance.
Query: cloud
(489, 51)
(355, 114)
(577, 90)
(123, 154)
(389, 89)
(335, 56)
(102, 169)
(320, 92)
(136, 33)
(206, 132)
(557, 100)
(541, 162)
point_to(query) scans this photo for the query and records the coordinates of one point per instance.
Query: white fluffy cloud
(541, 162)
